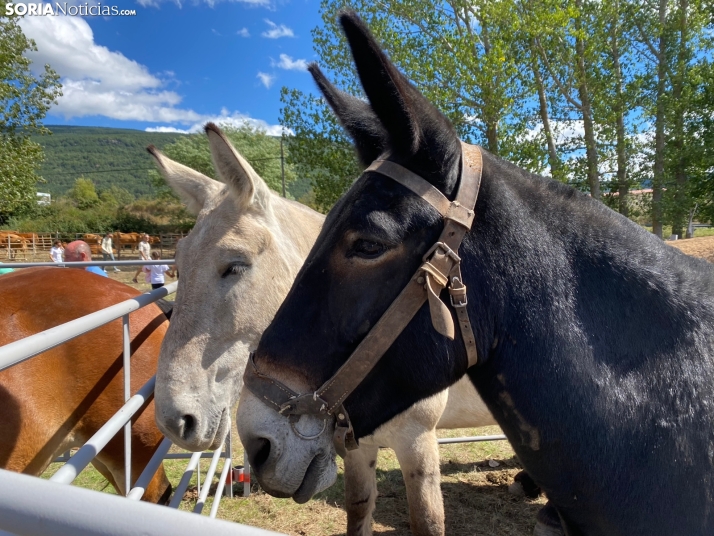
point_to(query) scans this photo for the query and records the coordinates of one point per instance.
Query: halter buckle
(458, 290)
(306, 404)
(446, 249)
(344, 436)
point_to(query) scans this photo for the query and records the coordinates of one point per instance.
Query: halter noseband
(441, 268)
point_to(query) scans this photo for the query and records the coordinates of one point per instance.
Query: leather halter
(441, 268)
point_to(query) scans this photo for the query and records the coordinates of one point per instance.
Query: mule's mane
(569, 209)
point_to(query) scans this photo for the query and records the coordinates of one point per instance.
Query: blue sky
(176, 65)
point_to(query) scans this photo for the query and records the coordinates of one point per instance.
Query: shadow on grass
(476, 501)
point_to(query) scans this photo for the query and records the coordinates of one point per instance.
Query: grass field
(476, 495)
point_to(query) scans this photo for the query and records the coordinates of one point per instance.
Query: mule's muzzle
(293, 405)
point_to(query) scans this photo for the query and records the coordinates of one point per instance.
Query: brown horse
(60, 398)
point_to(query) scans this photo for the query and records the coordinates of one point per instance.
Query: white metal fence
(59, 513)
(29, 505)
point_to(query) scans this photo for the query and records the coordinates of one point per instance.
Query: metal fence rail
(30, 506)
(471, 439)
(87, 263)
(19, 512)
(18, 351)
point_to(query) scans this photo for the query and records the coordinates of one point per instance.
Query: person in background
(108, 250)
(144, 254)
(156, 271)
(57, 251)
(79, 251)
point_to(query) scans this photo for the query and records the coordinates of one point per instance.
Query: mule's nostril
(259, 452)
(189, 425)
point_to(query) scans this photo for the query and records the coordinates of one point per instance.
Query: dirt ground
(126, 274)
(697, 247)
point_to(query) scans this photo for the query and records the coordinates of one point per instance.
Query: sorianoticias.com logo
(44, 9)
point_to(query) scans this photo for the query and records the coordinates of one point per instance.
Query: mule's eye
(368, 249)
(236, 268)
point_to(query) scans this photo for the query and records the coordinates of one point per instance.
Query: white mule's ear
(245, 184)
(192, 187)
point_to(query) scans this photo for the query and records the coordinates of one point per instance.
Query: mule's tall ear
(355, 116)
(245, 184)
(386, 88)
(417, 132)
(192, 187)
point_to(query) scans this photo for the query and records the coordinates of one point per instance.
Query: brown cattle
(91, 238)
(28, 236)
(124, 240)
(15, 241)
(12, 243)
(60, 398)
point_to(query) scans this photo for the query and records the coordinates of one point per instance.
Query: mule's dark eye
(235, 268)
(368, 249)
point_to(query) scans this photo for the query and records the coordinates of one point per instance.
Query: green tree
(318, 148)
(84, 194)
(116, 196)
(675, 48)
(699, 129)
(458, 52)
(24, 102)
(257, 147)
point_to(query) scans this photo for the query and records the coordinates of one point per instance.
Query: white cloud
(276, 31)
(243, 32)
(235, 119)
(215, 31)
(98, 81)
(286, 62)
(266, 79)
(172, 130)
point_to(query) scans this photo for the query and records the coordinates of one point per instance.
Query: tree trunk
(553, 160)
(658, 175)
(488, 117)
(586, 109)
(492, 136)
(621, 142)
(681, 209)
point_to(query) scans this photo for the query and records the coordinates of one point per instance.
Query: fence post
(229, 447)
(127, 395)
(246, 474)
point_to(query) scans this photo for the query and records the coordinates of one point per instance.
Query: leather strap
(441, 268)
(414, 182)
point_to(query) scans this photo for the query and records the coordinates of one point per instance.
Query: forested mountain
(93, 152)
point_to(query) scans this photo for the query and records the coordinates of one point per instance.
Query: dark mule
(595, 339)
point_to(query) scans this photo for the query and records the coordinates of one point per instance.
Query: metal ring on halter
(308, 438)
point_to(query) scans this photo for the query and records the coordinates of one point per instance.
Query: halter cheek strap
(442, 265)
(441, 269)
